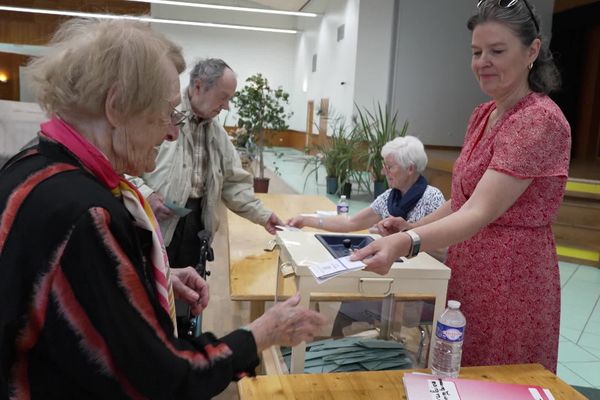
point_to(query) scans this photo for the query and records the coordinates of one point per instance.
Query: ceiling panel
(285, 5)
(112, 6)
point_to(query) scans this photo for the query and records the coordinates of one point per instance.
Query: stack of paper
(352, 354)
(330, 269)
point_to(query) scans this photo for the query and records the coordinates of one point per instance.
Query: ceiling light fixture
(144, 19)
(228, 8)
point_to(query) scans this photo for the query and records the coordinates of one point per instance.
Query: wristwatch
(415, 243)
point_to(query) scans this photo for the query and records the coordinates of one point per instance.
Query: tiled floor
(579, 349)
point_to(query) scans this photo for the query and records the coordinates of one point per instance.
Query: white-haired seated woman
(409, 196)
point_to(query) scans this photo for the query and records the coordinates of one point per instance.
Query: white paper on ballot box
(332, 268)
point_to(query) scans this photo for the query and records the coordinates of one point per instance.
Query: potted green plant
(261, 108)
(376, 128)
(345, 155)
(336, 155)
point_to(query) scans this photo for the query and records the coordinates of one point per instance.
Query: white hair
(91, 56)
(407, 151)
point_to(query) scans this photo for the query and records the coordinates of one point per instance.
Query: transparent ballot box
(365, 310)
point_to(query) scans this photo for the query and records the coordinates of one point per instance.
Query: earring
(530, 66)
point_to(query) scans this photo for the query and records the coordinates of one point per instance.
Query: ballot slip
(177, 210)
(324, 271)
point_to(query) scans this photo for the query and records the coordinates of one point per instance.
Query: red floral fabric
(506, 276)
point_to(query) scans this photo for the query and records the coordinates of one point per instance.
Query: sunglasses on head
(509, 4)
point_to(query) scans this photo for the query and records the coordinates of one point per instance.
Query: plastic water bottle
(342, 206)
(449, 336)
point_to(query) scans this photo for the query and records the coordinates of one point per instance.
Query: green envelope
(177, 210)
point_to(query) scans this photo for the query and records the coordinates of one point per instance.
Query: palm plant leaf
(377, 127)
(336, 155)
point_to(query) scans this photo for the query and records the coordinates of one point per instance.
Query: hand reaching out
(392, 225)
(297, 221)
(189, 286)
(380, 254)
(157, 204)
(272, 222)
(286, 324)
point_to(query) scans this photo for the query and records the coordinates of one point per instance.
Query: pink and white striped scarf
(97, 163)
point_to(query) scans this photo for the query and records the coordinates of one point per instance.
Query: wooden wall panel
(564, 5)
(323, 120)
(310, 109)
(440, 179)
(287, 138)
(25, 28)
(9, 65)
(588, 123)
(20, 28)
(37, 29)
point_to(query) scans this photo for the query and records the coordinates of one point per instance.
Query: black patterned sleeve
(106, 322)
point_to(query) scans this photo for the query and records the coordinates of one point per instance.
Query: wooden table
(253, 271)
(383, 385)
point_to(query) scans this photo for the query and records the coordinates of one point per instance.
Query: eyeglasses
(178, 117)
(509, 4)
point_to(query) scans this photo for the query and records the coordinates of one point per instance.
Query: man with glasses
(200, 169)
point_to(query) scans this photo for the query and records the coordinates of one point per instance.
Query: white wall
(433, 86)
(373, 54)
(336, 61)
(27, 94)
(19, 123)
(247, 52)
(361, 61)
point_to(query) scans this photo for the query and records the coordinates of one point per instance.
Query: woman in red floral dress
(507, 186)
